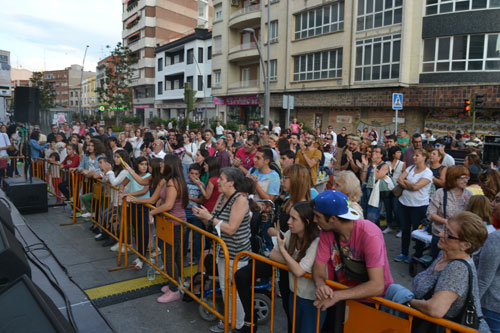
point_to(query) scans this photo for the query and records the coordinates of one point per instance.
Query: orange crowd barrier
(374, 319)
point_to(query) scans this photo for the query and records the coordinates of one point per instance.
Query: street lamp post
(81, 83)
(265, 69)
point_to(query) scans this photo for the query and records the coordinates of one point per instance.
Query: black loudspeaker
(26, 308)
(13, 262)
(5, 215)
(28, 197)
(491, 150)
(27, 105)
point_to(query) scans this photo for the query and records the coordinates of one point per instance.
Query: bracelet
(211, 220)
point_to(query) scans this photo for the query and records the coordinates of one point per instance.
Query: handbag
(4, 162)
(353, 269)
(398, 189)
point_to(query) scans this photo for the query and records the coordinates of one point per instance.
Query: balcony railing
(246, 10)
(132, 4)
(244, 84)
(243, 47)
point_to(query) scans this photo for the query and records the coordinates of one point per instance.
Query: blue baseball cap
(335, 203)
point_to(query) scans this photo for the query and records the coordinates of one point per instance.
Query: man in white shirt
(158, 151)
(334, 135)
(219, 130)
(277, 129)
(448, 160)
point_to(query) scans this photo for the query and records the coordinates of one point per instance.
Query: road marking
(130, 285)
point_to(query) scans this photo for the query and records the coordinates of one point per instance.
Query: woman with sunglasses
(441, 208)
(442, 290)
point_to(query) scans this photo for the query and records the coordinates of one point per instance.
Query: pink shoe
(169, 297)
(165, 289)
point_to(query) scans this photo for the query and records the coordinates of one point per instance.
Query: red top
(71, 162)
(210, 203)
(496, 223)
(246, 159)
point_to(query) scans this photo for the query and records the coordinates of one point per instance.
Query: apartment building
(188, 59)
(342, 60)
(5, 84)
(89, 97)
(150, 23)
(65, 80)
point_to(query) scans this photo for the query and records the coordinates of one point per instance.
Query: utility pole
(268, 92)
(81, 83)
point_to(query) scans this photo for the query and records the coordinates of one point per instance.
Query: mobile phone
(282, 234)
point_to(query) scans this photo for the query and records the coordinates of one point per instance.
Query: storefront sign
(219, 101)
(344, 120)
(143, 106)
(242, 100)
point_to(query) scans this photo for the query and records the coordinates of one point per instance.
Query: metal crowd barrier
(373, 318)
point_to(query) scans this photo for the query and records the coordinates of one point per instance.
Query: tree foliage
(116, 91)
(47, 91)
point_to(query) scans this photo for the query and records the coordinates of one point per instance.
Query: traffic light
(189, 97)
(101, 108)
(467, 106)
(478, 101)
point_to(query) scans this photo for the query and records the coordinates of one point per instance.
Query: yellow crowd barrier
(373, 318)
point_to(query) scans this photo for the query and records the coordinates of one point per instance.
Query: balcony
(245, 17)
(248, 87)
(242, 52)
(171, 94)
(176, 68)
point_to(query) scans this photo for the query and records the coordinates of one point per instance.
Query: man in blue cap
(362, 264)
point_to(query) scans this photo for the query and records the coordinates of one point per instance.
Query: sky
(53, 34)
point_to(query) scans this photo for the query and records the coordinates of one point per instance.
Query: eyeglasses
(438, 145)
(286, 177)
(447, 235)
(464, 178)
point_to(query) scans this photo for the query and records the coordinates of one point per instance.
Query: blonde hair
(350, 186)
(481, 206)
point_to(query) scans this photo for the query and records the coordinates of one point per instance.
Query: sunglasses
(447, 235)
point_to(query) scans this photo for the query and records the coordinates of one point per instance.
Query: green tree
(47, 91)
(116, 91)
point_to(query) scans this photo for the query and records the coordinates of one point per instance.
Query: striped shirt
(240, 240)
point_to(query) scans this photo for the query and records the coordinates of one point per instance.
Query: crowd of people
(376, 184)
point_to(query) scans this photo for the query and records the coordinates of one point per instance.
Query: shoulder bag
(353, 269)
(398, 189)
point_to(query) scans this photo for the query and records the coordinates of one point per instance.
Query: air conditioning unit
(235, 3)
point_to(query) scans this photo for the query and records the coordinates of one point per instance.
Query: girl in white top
(137, 142)
(297, 249)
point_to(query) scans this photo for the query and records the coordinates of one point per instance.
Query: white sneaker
(86, 215)
(398, 235)
(217, 328)
(387, 230)
(114, 248)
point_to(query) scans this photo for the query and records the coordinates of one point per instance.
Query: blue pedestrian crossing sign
(397, 101)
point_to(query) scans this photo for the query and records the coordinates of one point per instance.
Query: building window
(378, 13)
(318, 65)
(190, 80)
(273, 70)
(320, 21)
(49, 76)
(217, 76)
(189, 56)
(218, 12)
(274, 31)
(200, 82)
(217, 45)
(448, 6)
(378, 58)
(160, 87)
(462, 53)
(200, 55)
(71, 94)
(209, 53)
(209, 81)
(160, 64)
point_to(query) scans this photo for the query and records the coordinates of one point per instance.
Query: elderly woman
(442, 289)
(231, 221)
(448, 201)
(489, 274)
(347, 183)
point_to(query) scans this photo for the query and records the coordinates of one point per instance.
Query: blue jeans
(410, 218)
(139, 220)
(264, 225)
(492, 319)
(391, 210)
(305, 315)
(371, 213)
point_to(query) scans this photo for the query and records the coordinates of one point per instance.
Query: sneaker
(115, 247)
(165, 289)
(86, 215)
(399, 234)
(168, 297)
(402, 257)
(219, 328)
(387, 230)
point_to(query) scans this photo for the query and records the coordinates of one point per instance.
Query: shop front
(242, 110)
